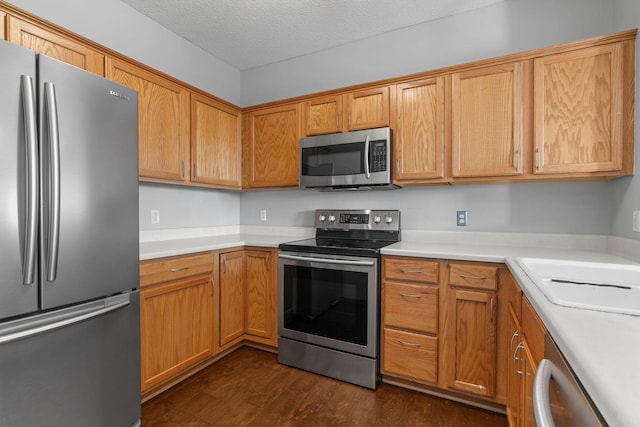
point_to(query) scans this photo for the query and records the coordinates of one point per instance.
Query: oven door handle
(326, 260)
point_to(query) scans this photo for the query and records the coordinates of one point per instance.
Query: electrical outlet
(263, 214)
(155, 216)
(461, 218)
(636, 221)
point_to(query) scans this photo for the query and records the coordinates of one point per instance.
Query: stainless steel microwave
(359, 160)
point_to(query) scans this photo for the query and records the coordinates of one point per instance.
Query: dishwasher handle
(541, 401)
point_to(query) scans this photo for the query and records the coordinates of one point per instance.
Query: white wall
(511, 26)
(507, 27)
(118, 26)
(625, 192)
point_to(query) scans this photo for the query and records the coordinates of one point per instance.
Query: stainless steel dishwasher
(558, 397)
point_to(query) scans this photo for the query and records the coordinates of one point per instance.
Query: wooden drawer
(410, 269)
(411, 306)
(473, 276)
(166, 269)
(410, 355)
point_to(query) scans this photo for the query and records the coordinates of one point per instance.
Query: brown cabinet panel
(411, 269)
(176, 328)
(410, 355)
(232, 297)
(323, 115)
(273, 147)
(473, 276)
(579, 110)
(262, 294)
(216, 146)
(367, 108)
(50, 43)
(473, 335)
(419, 130)
(487, 121)
(410, 306)
(168, 269)
(163, 122)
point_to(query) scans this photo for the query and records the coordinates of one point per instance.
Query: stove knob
(388, 220)
(322, 218)
(377, 219)
(332, 218)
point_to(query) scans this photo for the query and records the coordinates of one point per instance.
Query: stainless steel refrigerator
(69, 299)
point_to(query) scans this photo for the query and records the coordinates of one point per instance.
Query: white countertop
(602, 348)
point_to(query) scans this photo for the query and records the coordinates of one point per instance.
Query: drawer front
(411, 306)
(411, 269)
(167, 269)
(473, 276)
(410, 355)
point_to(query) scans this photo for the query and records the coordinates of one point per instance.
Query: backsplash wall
(573, 208)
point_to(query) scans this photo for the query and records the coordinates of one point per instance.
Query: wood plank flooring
(250, 388)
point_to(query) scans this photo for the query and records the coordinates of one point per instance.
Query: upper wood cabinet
(488, 132)
(361, 109)
(418, 120)
(580, 111)
(163, 122)
(271, 151)
(54, 44)
(216, 147)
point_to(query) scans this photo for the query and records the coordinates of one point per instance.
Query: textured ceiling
(251, 33)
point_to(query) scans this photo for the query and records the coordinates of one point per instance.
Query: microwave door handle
(367, 169)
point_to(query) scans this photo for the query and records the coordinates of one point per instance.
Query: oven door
(329, 300)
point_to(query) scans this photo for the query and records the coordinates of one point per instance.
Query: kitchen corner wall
(625, 192)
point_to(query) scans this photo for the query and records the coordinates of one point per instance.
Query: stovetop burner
(350, 232)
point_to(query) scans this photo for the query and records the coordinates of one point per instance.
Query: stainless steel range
(329, 295)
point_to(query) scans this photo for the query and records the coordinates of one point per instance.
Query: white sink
(588, 285)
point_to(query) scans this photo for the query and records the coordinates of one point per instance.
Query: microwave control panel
(378, 156)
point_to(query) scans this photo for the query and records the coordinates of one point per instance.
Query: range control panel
(388, 220)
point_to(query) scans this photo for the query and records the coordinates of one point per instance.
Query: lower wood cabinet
(176, 319)
(442, 325)
(248, 297)
(471, 328)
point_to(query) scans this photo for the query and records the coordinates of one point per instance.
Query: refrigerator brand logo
(118, 95)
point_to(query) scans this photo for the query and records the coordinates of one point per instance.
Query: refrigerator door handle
(31, 212)
(51, 112)
(68, 318)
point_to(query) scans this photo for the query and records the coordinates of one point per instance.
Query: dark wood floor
(250, 388)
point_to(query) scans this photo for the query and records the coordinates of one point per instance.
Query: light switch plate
(636, 221)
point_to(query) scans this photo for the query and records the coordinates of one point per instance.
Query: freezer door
(89, 175)
(75, 367)
(18, 182)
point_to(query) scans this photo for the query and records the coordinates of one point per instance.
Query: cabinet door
(579, 111)
(418, 141)
(529, 366)
(367, 109)
(261, 282)
(232, 297)
(473, 340)
(274, 147)
(514, 370)
(163, 122)
(487, 121)
(216, 147)
(54, 45)
(175, 328)
(323, 115)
